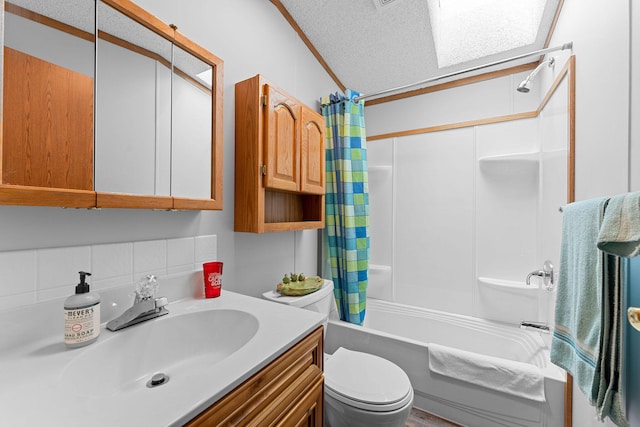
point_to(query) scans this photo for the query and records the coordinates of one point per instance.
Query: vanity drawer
(288, 391)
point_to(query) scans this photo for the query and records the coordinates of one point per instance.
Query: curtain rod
(467, 70)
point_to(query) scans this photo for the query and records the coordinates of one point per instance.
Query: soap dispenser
(82, 315)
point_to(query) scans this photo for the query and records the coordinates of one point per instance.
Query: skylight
(469, 29)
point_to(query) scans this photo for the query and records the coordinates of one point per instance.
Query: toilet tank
(321, 301)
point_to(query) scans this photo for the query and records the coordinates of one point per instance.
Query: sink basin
(174, 345)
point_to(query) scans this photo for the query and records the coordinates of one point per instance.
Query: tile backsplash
(38, 275)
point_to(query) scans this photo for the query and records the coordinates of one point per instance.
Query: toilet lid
(366, 381)
(300, 301)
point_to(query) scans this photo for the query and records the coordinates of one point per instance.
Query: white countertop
(35, 390)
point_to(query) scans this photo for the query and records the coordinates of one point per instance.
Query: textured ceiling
(370, 47)
(77, 13)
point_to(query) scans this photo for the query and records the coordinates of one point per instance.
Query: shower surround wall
(460, 217)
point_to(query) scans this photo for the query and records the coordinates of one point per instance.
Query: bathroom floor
(420, 418)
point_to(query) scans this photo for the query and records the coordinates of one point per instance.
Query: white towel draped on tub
(516, 378)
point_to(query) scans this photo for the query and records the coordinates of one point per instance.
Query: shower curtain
(347, 203)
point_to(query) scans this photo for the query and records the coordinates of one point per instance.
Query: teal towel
(609, 371)
(619, 237)
(620, 230)
(576, 338)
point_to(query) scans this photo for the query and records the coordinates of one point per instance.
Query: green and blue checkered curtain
(347, 203)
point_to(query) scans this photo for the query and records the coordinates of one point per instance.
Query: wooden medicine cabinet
(280, 160)
(129, 119)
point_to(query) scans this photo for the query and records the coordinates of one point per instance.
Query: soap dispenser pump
(82, 315)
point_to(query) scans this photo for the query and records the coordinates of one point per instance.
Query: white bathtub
(401, 333)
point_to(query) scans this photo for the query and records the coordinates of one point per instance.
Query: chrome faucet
(546, 273)
(145, 306)
(536, 326)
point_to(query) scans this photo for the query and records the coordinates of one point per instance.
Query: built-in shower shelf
(509, 284)
(379, 168)
(511, 163)
(379, 268)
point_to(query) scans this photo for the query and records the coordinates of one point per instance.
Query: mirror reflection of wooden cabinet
(280, 160)
(149, 151)
(48, 98)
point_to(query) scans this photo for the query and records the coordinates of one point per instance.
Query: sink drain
(158, 380)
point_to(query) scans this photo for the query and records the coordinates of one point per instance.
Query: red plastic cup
(212, 278)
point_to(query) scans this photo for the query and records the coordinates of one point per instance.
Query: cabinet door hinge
(263, 100)
(263, 170)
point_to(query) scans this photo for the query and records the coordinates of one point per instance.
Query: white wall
(252, 37)
(602, 92)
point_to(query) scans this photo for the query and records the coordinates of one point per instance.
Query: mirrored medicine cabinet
(131, 118)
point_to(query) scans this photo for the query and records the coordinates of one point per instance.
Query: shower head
(525, 86)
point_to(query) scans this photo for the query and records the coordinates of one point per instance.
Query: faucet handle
(546, 273)
(548, 278)
(146, 288)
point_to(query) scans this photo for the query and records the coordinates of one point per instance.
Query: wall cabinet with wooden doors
(287, 392)
(280, 160)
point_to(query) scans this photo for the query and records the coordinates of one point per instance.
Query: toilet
(360, 389)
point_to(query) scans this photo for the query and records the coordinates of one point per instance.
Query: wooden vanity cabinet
(280, 160)
(287, 392)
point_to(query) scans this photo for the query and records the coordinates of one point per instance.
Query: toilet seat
(366, 381)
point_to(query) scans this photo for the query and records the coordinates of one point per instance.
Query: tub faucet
(546, 273)
(145, 306)
(535, 326)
